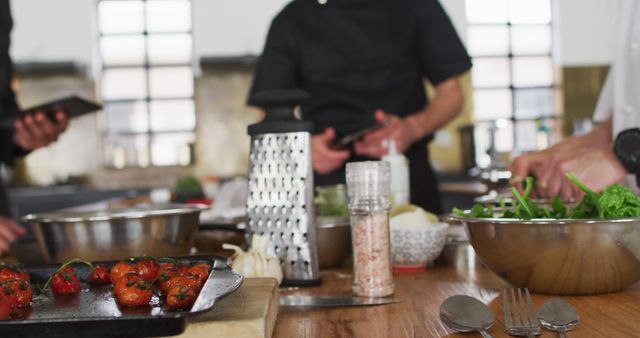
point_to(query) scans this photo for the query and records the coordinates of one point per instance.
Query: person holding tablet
(364, 62)
(30, 133)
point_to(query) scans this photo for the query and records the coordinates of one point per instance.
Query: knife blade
(333, 301)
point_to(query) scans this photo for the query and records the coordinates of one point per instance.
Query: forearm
(601, 134)
(444, 107)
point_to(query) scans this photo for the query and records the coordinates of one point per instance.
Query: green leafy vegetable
(616, 201)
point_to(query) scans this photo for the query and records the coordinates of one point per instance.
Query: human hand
(325, 159)
(9, 232)
(33, 132)
(597, 167)
(395, 128)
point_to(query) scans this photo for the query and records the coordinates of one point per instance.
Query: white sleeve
(604, 107)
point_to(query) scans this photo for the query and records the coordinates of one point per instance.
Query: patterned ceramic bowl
(413, 249)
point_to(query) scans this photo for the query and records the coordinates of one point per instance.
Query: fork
(523, 322)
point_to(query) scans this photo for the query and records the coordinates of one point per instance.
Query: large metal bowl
(564, 257)
(114, 234)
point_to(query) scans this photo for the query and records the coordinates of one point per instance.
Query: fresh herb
(616, 201)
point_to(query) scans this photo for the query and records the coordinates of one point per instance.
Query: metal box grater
(280, 198)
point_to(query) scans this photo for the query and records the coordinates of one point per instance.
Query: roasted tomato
(190, 281)
(7, 306)
(99, 275)
(164, 276)
(147, 268)
(167, 263)
(9, 271)
(121, 269)
(180, 298)
(65, 281)
(20, 290)
(200, 270)
(133, 290)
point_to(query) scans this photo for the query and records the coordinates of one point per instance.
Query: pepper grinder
(280, 198)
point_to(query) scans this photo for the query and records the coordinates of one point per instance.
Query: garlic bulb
(255, 262)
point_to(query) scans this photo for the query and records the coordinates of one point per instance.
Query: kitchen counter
(611, 315)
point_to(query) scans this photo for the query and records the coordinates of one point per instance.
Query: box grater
(280, 198)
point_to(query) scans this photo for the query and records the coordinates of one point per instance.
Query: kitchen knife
(313, 301)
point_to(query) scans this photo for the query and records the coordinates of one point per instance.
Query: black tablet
(355, 136)
(73, 106)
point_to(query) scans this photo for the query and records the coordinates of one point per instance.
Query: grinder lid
(279, 109)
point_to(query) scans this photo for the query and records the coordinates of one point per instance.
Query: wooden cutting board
(250, 312)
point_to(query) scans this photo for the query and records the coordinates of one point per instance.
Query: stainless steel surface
(558, 315)
(334, 241)
(313, 301)
(466, 314)
(115, 234)
(561, 257)
(524, 321)
(280, 202)
(222, 281)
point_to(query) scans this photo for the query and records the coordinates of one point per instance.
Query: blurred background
(173, 76)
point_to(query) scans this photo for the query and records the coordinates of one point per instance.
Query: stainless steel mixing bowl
(115, 234)
(564, 257)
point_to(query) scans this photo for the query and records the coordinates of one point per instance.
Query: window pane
(489, 104)
(127, 151)
(531, 39)
(171, 82)
(529, 11)
(168, 16)
(504, 138)
(124, 84)
(488, 40)
(122, 50)
(532, 71)
(526, 132)
(172, 149)
(487, 11)
(534, 102)
(491, 72)
(172, 48)
(121, 17)
(127, 116)
(172, 115)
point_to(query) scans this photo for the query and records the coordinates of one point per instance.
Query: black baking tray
(95, 313)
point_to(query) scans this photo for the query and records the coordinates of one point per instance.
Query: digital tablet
(73, 106)
(355, 136)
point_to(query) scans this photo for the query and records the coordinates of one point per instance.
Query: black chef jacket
(8, 149)
(356, 56)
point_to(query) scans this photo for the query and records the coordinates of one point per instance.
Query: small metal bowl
(562, 257)
(116, 233)
(333, 235)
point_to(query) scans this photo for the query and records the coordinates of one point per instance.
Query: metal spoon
(558, 315)
(466, 314)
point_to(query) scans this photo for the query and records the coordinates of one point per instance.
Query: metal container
(280, 200)
(117, 233)
(563, 257)
(334, 241)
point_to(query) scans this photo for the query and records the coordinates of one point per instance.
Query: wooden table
(612, 315)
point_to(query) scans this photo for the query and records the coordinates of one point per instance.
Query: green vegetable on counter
(616, 201)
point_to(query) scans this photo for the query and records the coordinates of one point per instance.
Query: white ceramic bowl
(413, 249)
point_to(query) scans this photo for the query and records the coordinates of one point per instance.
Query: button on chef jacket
(357, 56)
(620, 96)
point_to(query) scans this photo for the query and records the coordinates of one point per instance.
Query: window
(513, 75)
(147, 82)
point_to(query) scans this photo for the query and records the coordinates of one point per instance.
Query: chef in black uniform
(30, 133)
(366, 60)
